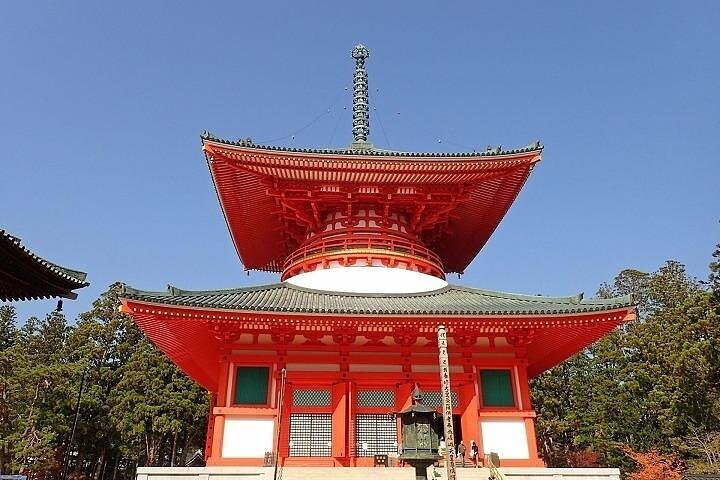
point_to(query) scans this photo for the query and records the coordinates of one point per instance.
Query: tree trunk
(115, 468)
(185, 447)
(80, 462)
(148, 451)
(153, 448)
(174, 450)
(99, 465)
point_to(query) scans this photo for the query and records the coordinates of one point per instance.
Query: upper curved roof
(483, 186)
(488, 152)
(24, 275)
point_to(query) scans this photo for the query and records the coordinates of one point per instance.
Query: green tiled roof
(24, 275)
(488, 152)
(450, 300)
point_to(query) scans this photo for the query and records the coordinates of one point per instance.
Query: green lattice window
(496, 388)
(251, 385)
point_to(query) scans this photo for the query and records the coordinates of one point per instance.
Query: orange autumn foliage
(654, 466)
(583, 459)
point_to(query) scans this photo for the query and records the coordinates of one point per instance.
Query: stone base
(363, 473)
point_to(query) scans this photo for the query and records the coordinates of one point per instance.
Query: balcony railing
(360, 243)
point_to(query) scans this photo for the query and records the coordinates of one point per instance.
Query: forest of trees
(136, 407)
(645, 398)
(650, 389)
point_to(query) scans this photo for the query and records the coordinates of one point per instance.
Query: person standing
(474, 453)
(461, 449)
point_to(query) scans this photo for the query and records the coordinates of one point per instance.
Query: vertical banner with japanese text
(446, 403)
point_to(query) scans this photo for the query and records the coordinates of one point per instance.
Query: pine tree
(38, 389)
(8, 333)
(102, 342)
(649, 384)
(156, 408)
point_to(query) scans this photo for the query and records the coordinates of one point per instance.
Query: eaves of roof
(242, 171)
(28, 276)
(451, 300)
(374, 152)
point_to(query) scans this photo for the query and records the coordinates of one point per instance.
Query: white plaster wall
(505, 437)
(247, 438)
(367, 280)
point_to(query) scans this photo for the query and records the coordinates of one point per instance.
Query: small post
(66, 459)
(446, 403)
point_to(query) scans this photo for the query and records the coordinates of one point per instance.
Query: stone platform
(364, 473)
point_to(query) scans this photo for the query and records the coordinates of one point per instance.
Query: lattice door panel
(310, 434)
(311, 398)
(433, 399)
(376, 398)
(376, 434)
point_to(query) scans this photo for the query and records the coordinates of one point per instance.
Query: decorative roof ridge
(80, 276)
(173, 291)
(75, 276)
(577, 299)
(375, 152)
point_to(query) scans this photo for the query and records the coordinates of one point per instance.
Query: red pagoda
(310, 369)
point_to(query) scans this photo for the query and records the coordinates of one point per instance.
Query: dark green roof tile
(488, 152)
(24, 275)
(450, 300)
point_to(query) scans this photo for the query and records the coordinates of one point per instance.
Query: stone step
(355, 473)
(368, 473)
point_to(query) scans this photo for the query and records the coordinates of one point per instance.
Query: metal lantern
(420, 435)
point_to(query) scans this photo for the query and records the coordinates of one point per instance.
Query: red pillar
(339, 421)
(218, 421)
(524, 394)
(210, 427)
(284, 424)
(535, 459)
(222, 395)
(216, 453)
(469, 419)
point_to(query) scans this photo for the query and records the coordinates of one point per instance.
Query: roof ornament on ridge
(361, 112)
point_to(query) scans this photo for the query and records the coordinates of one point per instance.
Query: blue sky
(102, 105)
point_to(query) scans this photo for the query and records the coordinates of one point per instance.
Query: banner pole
(446, 402)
